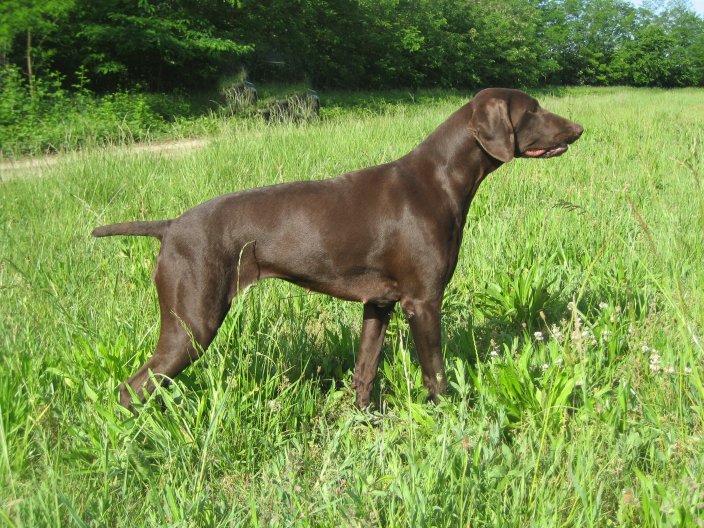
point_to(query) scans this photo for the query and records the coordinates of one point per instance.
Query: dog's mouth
(545, 152)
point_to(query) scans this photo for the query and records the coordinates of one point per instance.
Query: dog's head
(510, 123)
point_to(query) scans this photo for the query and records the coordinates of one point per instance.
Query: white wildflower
(654, 361)
(538, 336)
(603, 306)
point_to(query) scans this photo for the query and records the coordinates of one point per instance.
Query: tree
(166, 44)
(159, 43)
(667, 49)
(582, 37)
(33, 18)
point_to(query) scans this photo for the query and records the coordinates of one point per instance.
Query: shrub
(49, 118)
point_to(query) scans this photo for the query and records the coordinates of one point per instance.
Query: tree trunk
(30, 75)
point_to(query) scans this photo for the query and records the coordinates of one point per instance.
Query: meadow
(573, 332)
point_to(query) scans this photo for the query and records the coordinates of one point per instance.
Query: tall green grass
(572, 335)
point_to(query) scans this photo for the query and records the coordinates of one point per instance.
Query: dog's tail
(155, 229)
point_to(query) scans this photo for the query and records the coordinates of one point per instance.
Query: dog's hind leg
(174, 352)
(194, 298)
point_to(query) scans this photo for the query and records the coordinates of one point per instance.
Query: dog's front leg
(376, 319)
(424, 318)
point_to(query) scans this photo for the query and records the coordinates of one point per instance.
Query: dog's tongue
(534, 153)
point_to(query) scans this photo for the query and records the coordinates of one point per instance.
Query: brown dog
(378, 236)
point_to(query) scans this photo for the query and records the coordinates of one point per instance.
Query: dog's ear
(491, 125)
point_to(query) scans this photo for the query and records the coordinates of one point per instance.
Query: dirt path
(32, 167)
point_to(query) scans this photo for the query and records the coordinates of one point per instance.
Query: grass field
(572, 331)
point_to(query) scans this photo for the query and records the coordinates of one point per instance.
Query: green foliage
(127, 40)
(519, 297)
(49, 118)
(603, 42)
(667, 50)
(597, 421)
(162, 45)
(40, 16)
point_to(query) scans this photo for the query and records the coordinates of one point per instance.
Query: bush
(48, 118)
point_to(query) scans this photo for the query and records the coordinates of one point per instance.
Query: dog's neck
(447, 155)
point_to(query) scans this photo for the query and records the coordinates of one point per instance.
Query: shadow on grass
(475, 341)
(325, 357)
